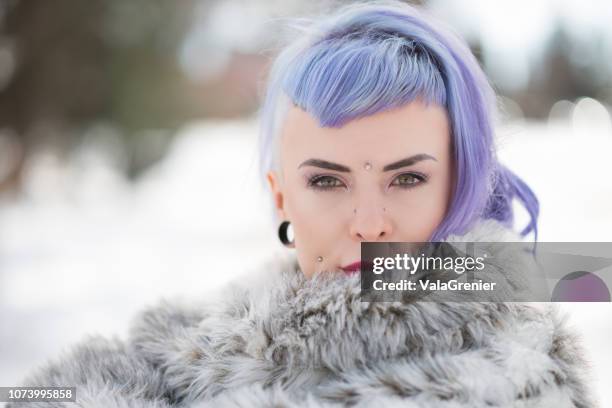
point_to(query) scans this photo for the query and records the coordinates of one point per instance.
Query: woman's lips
(354, 267)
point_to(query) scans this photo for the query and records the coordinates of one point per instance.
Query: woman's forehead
(414, 127)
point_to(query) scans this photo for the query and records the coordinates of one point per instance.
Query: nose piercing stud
(355, 210)
(367, 166)
(320, 259)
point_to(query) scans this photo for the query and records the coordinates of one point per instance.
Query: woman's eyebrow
(408, 161)
(324, 164)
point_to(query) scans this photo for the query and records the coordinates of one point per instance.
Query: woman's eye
(325, 182)
(408, 180)
(405, 180)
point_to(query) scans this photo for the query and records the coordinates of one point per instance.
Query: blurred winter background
(128, 162)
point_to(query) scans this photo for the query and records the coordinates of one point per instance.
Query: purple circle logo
(580, 286)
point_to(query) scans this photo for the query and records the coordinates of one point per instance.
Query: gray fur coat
(276, 339)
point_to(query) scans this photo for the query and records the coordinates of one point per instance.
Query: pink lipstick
(354, 267)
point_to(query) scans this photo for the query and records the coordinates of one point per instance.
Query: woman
(377, 126)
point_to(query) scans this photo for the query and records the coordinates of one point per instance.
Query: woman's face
(335, 201)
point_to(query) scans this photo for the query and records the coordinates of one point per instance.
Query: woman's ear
(277, 193)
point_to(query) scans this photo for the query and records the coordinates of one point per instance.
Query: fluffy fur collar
(274, 338)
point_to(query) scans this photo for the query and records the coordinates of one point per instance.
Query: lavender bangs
(368, 58)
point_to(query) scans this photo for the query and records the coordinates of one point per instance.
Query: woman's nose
(370, 223)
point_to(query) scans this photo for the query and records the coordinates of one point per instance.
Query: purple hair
(368, 58)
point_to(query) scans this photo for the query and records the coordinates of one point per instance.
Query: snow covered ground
(83, 250)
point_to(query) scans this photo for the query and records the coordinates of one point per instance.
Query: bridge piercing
(320, 259)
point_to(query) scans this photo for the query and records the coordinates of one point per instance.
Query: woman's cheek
(316, 235)
(316, 229)
(312, 241)
(416, 214)
(318, 203)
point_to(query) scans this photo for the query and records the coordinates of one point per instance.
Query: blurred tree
(81, 62)
(558, 75)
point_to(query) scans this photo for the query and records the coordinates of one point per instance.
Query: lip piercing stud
(367, 166)
(320, 259)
